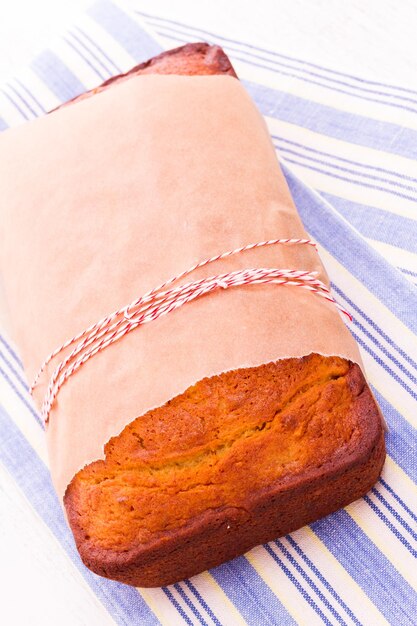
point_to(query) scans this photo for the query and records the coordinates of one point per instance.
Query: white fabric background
(375, 38)
(26, 26)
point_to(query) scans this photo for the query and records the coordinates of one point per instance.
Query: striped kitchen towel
(348, 149)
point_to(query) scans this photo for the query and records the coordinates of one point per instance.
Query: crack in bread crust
(219, 449)
(290, 419)
(339, 466)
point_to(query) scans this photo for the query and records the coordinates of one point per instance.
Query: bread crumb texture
(223, 440)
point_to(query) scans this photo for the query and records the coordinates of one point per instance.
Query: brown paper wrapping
(107, 198)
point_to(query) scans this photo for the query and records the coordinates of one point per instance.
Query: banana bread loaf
(236, 460)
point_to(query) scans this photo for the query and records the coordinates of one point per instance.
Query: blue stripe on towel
(409, 389)
(373, 572)
(23, 100)
(252, 597)
(21, 397)
(376, 223)
(125, 30)
(323, 580)
(397, 516)
(326, 226)
(77, 49)
(16, 370)
(399, 189)
(11, 351)
(310, 77)
(382, 350)
(200, 619)
(307, 597)
(177, 605)
(396, 349)
(349, 179)
(123, 602)
(326, 120)
(31, 96)
(356, 164)
(57, 76)
(392, 90)
(92, 53)
(15, 104)
(201, 600)
(400, 438)
(99, 49)
(398, 499)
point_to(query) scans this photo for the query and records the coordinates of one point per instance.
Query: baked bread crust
(236, 460)
(189, 60)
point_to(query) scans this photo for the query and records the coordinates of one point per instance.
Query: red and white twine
(160, 301)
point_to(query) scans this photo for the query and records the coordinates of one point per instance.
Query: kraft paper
(106, 198)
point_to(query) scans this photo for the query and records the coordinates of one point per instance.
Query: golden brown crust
(236, 460)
